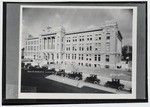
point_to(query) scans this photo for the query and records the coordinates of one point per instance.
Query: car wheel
(120, 88)
(99, 82)
(95, 82)
(106, 85)
(67, 76)
(76, 78)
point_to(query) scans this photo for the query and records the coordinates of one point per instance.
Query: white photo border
(83, 95)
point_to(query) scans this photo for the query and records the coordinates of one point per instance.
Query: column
(52, 43)
(48, 44)
(43, 43)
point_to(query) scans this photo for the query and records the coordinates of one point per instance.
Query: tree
(75, 67)
(127, 53)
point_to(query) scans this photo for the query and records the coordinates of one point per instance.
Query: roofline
(93, 30)
(33, 38)
(48, 34)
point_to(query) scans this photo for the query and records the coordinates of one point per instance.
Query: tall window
(90, 47)
(35, 48)
(90, 57)
(99, 57)
(99, 38)
(79, 48)
(107, 46)
(95, 57)
(79, 56)
(57, 55)
(108, 37)
(82, 56)
(74, 56)
(99, 46)
(107, 58)
(87, 48)
(82, 48)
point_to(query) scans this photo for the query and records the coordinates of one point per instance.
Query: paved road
(81, 84)
(32, 82)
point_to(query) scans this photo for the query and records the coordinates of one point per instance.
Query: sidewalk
(81, 84)
(103, 74)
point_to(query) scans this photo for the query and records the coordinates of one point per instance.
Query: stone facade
(96, 47)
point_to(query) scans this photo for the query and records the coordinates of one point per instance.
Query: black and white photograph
(86, 52)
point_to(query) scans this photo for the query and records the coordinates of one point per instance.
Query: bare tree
(75, 67)
(58, 66)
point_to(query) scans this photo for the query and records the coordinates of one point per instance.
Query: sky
(35, 20)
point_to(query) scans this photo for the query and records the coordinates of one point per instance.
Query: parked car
(61, 72)
(44, 68)
(35, 68)
(115, 83)
(31, 68)
(52, 62)
(93, 79)
(27, 65)
(75, 75)
(50, 71)
(22, 65)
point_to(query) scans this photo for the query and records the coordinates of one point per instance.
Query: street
(36, 82)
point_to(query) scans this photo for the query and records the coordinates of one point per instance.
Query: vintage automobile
(61, 72)
(31, 68)
(52, 63)
(115, 83)
(93, 79)
(27, 65)
(75, 75)
(50, 71)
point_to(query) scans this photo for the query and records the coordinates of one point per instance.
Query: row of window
(31, 48)
(68, 39)
(90, 65)
(88, 39)
(88, 57)
(32, 42)
(33, 54)
(88, 47)
(74, 47)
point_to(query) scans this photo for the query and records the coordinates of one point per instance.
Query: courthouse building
(95, 47)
